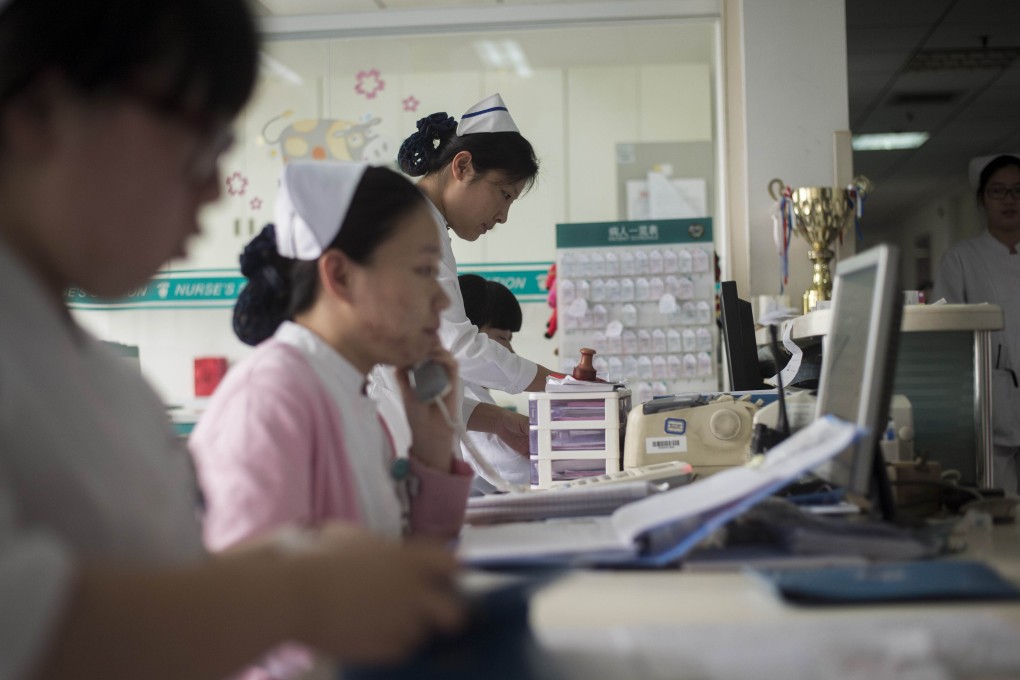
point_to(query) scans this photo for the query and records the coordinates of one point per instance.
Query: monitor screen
(738, 335)
(859, 358)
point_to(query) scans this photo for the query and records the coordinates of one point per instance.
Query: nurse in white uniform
(986, 268)
(495, 311)
(472, 172)
(109, 146)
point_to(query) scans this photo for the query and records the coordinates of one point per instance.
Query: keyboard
(673, 473)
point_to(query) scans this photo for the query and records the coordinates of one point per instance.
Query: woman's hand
(511, 427)
(365, 599)
(432, 438)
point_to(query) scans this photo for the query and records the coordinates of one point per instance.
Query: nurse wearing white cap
(986, 268)
(345, 280)
(109, 148)
(472, 171)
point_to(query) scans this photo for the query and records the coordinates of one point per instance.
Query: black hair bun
(417, 150)
(262, 305)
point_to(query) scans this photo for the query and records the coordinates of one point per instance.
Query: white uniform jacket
(90, 467)
(981, 269)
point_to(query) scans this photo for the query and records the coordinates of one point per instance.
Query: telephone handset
(429, 381)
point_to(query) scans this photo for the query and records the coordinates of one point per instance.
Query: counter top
(916, 318)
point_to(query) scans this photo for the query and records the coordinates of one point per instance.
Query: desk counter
(944, 368)
(670, 624)
(916, 318)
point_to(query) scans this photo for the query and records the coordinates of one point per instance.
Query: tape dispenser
(709, 433)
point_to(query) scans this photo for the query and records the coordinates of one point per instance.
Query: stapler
(710, 434)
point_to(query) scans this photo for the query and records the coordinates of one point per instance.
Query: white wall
(788, 98)
(952, 217)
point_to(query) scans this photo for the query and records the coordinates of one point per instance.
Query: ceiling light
(889, 141)
(279, 69)
(963, 59)
(503, 55)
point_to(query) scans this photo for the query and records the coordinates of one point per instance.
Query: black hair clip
(260, 252)
(434, 125)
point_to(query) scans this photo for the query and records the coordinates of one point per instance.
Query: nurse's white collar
(439, 217)
(323, 357)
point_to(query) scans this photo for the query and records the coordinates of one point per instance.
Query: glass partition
(604, 105)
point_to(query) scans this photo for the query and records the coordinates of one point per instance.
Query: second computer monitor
(859, 358)
(738, 335)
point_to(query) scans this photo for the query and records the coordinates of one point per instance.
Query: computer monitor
(858, 363)
(738, 336)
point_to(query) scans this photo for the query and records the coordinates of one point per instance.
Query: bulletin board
(642, 294)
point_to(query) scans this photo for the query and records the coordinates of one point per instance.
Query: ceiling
(898, 82)
(969, 111)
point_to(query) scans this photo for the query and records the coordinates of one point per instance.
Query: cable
(477, 459)
(784, 422)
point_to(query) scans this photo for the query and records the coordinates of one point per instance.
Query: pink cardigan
(270, 451)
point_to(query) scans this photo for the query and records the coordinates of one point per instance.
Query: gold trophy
(820, 215)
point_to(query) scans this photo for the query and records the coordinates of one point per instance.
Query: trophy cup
(820, 215)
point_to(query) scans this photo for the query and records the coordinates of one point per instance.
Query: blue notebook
(926, 581)
(496, 644)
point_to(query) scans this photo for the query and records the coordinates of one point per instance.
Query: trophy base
(811, 298)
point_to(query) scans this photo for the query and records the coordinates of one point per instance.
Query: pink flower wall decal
(411, 103)
(369, 83)
(237, 184)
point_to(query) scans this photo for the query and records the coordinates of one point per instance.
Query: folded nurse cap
(312, 204)
(977, 165)
(488, 115)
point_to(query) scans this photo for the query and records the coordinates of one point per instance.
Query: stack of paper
(575, 501)
(663, 527)
(571, 384)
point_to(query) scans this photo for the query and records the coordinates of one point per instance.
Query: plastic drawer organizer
(576, 434)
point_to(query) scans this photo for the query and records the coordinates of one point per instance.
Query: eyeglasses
(215, 137)
(999, 192)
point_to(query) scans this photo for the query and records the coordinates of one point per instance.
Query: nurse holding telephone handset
(471, 173)
(343, 281)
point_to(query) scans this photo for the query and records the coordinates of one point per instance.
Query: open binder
(662, 528)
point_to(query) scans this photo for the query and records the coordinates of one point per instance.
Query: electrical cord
(477, 459)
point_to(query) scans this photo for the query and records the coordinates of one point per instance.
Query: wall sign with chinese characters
(642, 294)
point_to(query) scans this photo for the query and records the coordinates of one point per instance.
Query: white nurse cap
(977, 165)
(488, 115)
(312, 204)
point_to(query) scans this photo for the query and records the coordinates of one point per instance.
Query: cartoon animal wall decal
(329, 139)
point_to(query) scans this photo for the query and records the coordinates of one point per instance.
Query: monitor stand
(881, 496)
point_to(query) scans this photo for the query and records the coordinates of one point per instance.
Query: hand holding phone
(429, 380)
(427, 390)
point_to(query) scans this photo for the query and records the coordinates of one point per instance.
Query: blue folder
(927, 581)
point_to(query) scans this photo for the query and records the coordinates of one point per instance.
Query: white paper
(675, 198)
(788, 371)
(660, 197)
(822, 440)
(689, 511)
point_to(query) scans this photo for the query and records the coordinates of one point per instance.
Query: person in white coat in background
(986, 268)
(494, 310)
(113, 116)
(471, 172)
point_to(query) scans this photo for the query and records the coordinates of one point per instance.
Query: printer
(710, 433)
